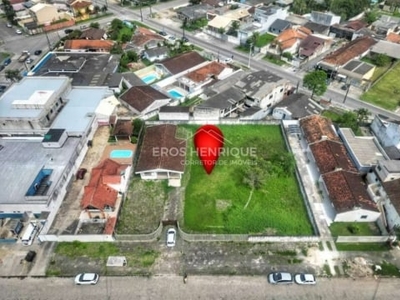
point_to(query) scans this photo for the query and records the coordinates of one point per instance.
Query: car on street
(185, 39)
(171, 237)
(81, 173)
(87, 278)
(9, 25)
(280, 278)
(345, 87)
(29, 60)
(2, 88)
(18, 31)
(303, 278)
(68, 31)
(38, 52)
(162, 33)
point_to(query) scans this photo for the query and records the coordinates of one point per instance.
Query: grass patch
(124, 31)
(320, 246)
(385, 93)
(243, 49)
(286, 253)
(334, 116)
(265, 39)
(388, 269)
(219, 202)
(274, 60)
(3, 56)
(362, 247)
(192, 101)
(93, 250)
(354, 229)
(143, 207)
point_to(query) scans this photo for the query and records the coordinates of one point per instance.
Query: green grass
(385, 93)
(265, 39)
(216, 203)
(140, 257)
(3, 56)
(327, 270)
(362, 247)
(274, 60)
(334, 116)
(378, 70)
(388, 269)
(359, 229)
(123, 31)
(243, 49)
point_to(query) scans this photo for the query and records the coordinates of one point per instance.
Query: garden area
(245, 193)
(354, 229)
(385, 92)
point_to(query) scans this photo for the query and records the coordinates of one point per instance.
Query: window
(364, 217)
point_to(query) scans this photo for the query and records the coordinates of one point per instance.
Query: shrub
(354, 229)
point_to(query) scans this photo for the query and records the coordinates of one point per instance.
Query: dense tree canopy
(316, 82)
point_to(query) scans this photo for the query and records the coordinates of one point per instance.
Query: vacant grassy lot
(71, 258)
(362, 247)
(222, 203)
(265, 39)
(143, 208)
(274, 60)
(355, 229)
(386, 92)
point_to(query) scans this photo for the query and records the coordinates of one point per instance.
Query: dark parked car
(68, 31)
(163, 33)
(2, 88)
(38, 52)
(81, 173)
(345, 87)
(185, 39)
(30, 256)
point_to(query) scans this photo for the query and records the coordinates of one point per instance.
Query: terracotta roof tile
(316, 127)
(161, 137)
(80, 4)
(180, 63)
(349, 51)
(89, 44)
(330, 156)
(356, 25)
(393, 37)
(290, 36)
(141, 97)
(98, 194)
(123, 128)
(143, 35)
(347, 191)
(310, 44)
(212, 69)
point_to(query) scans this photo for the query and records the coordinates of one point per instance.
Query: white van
(29, 234)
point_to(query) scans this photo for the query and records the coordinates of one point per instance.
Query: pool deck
(120, 145)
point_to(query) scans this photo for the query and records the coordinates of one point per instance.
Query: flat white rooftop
(27, 97)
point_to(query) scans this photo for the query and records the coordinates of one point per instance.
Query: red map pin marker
(209, 141)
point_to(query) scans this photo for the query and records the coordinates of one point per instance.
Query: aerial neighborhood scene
(200, 149)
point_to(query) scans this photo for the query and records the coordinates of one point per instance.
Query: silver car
(87, 278)
(280, 278)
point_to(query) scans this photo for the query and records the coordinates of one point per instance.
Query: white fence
(80, 237)
(285, 239)
(362, 239)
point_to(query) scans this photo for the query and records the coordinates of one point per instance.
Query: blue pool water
(121, 153)
(175, 94)
(149, 78)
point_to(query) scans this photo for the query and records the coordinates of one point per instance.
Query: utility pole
(345, 96)
(140, 8)
(251, 46)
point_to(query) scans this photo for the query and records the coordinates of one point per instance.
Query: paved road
(198, 287)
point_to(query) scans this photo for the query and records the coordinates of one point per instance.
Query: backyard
(385, 93)
(354, 229)
(143, 207)
(225, 202)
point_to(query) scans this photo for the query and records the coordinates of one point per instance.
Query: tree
(13, 75)
(221, 30)
(94, 25)
(316, 82)
(362, 115)
(370, 16)
(104, 8)
(9, 11)
(117, 24)
(299, 7)
(137, 126)
(382, 60)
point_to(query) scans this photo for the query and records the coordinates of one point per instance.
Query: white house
(387, 132)
(106, 109)
(266, 15)
(172, 113)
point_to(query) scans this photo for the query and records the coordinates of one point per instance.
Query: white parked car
(280, 278)
(18, 31)
(87, 278)
(171, 237)
(304, 278)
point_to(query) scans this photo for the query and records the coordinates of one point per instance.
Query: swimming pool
(121, 153)
(175, 94)
(150, 78)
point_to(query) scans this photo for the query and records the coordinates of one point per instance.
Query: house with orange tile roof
(88, 46)
(102, 195)
(288, 40)
(393, 38)
(144, 38)
(355, 49)
(196, 80)
(80, 8)
(338, 177)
